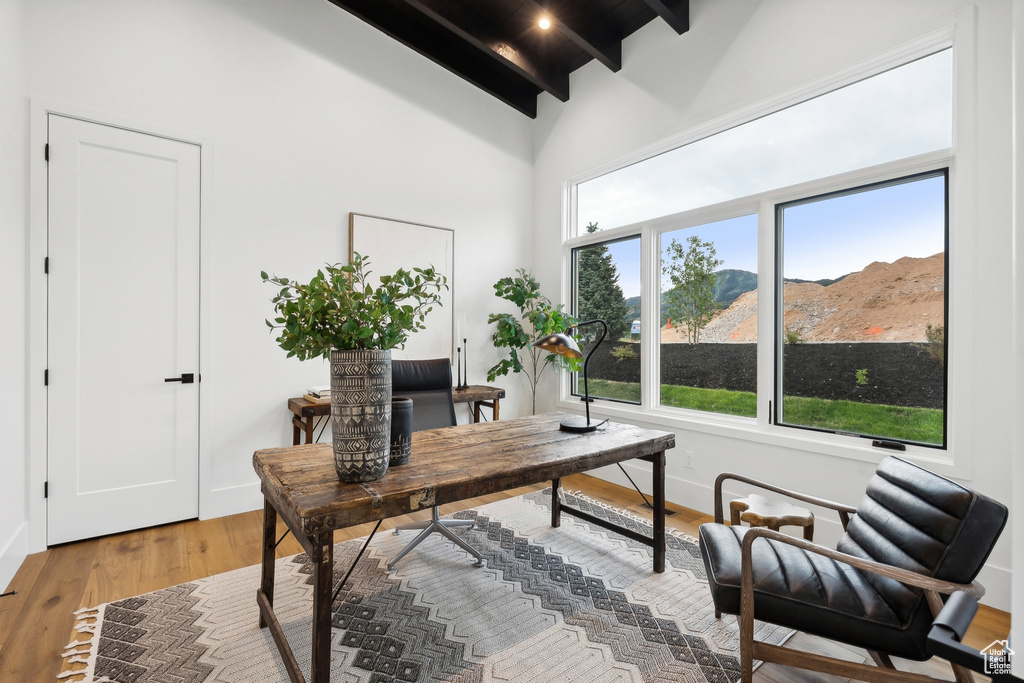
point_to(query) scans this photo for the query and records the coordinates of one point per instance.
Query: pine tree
(599, 294)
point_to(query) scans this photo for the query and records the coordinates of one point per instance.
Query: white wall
(737, 54)
(1017, 467)
(305, 114)
(13, 173)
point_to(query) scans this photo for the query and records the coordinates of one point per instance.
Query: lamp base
(578, 425)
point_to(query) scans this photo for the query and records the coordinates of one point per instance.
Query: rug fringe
(87, 621)
(628, 514)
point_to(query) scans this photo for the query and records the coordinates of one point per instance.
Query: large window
(844, 196)
(862, 311)
(708, 335)
(608, 289)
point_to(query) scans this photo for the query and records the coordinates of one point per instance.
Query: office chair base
(441, 527)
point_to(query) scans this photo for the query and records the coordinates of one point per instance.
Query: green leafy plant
(936, 336)
(340, 308)
(794, 336)
(691, 269)
(862, 377)
(537, 317)
(623, 353)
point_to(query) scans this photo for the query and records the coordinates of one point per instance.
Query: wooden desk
(447, 465)
(305, 413)
(478, 395)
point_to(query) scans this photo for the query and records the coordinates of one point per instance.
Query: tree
(691, 301)
(599, 294)
(538, 317)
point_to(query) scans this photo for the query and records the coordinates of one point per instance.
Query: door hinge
(46, 266)
(46, 489)
(46, 377)
(46, 152)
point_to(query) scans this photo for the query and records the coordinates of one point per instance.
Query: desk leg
(323, 574)
(556, 503)
(658, 476)
(269, 531)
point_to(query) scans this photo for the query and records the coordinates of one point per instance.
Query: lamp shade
(559, 343)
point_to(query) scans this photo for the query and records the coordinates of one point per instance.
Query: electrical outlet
(689, 459)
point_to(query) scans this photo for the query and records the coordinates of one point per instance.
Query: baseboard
(13, 554)
(230, 500)
(827, 531)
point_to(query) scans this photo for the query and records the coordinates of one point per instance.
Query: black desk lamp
(564, 345)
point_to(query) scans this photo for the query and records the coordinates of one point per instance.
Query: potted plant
(340, 315)
(537, 317)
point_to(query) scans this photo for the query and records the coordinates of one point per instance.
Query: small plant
(537, 317)
(794, 336)
(862, 377)
(340, 309)
(936, 336)
(624, 353)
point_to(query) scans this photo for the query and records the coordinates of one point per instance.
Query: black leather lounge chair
(915, 537)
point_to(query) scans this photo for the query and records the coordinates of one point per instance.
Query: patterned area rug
(576, 603)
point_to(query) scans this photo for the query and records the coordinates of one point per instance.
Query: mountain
(730, 285)
(884, 302)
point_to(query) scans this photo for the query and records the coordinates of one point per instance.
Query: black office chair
(914, 537)
(429, 384)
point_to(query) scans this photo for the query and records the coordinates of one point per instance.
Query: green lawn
(923, 425)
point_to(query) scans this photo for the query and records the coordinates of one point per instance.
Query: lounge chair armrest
(905, 576)
(844, 510)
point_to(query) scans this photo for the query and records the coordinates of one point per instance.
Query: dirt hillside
(883, 302)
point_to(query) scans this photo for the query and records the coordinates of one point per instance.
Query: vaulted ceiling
(499, 45)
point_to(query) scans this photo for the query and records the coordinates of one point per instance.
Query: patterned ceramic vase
(361, 413)
(401, 430)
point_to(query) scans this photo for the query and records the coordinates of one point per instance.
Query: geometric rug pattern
(577, 603)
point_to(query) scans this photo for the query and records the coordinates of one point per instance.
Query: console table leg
(556, 504)
(323, 575)
(658, 475)
(269, 531)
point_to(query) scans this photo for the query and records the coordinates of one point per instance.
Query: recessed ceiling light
(544, 23)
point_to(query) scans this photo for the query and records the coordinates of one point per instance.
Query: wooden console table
(306, 414)
(299, 484)
(479, 395)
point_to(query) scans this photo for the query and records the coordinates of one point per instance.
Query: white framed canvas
(392, 244)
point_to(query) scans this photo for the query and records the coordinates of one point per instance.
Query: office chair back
(429, 384)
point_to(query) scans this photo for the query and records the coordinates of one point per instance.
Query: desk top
(446, 465)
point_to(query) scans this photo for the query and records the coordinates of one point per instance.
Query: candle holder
(463, 371)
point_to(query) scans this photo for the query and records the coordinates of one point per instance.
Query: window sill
(751, 429)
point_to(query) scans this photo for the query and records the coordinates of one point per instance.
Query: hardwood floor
(36, 624)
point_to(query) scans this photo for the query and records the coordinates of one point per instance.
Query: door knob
(186, 378)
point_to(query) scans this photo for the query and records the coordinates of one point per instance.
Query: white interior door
(123, 319)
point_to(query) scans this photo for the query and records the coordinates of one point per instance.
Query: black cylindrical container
(401, 430)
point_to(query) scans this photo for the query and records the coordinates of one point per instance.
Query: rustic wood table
(306, 413)
(447, 465)
(477, 395)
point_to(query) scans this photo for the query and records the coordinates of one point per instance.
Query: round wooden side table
(757, 510)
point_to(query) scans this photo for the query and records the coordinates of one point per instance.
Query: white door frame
(35, 395)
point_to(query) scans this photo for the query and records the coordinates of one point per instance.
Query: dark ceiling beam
(675, 12)
(431, 40)
(588, 33)
(486, 36)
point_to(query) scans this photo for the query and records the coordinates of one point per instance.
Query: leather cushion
(809, 592)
